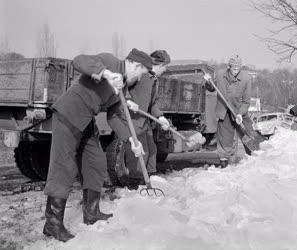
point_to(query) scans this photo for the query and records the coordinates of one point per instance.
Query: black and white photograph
(148, 125)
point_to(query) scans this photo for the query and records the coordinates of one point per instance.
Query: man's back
(85, 98)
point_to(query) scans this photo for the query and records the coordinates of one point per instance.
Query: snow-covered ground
(249, 206)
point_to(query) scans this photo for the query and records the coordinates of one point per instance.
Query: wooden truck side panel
(32, 81)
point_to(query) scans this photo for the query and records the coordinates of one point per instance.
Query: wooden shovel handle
(157, 120)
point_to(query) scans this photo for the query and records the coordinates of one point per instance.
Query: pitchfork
(150, 191)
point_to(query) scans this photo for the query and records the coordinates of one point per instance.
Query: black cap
(160, 57)
(140, 57)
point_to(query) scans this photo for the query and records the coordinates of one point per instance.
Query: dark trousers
(63, 168)
(150, 150)
(227, 139)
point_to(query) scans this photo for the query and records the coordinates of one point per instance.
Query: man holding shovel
(235, 86)
(144, 96)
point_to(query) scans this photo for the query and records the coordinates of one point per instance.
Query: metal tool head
(151, 192)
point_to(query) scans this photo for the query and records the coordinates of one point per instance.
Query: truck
(28, 88)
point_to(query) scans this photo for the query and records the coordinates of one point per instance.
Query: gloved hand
(238, 119)
(132, 106)
(137, 150)
(207, 77)
(197, 138)
(165, 123)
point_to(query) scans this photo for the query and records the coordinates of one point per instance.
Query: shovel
(194, 137)
(249, 142)
(156, 191)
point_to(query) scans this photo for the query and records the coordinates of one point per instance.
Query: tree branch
(284, 14)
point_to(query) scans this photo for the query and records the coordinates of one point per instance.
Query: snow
(251, 205)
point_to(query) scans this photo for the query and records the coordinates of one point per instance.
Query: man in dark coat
(142, 95)
(101, 78)
(235, 85)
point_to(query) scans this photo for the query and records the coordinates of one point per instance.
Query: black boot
(91, 209)
(223, 163)
(133, 183)
(54, 214)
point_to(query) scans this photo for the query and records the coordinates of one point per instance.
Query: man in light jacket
(235, 85)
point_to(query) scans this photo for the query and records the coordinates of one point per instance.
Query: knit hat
(234, 61)
(160, 57)
(140, 57)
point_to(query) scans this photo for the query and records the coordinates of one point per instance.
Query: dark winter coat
(144, 93)
(87, 97)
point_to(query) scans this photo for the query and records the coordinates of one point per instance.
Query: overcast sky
(187, 29)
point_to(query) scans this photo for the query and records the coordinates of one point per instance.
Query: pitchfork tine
(157, 191)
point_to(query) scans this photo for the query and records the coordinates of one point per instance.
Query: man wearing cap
(235, 85)
(143, 95)
(102, 76)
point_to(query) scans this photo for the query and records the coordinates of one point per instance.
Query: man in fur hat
(235, 85)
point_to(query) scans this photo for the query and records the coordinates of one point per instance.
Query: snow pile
(249, 206)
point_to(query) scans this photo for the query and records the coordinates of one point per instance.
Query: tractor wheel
(116, 167)
(32, 158)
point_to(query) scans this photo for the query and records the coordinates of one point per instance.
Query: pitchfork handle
(134, 137)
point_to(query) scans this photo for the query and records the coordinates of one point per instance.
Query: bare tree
(46, 44)
(118, 45)
(5, 51)
(152, 45)
(4, 45)
(283, 38)
(115, 44)
(122, 46)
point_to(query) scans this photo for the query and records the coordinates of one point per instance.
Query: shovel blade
(250, 144)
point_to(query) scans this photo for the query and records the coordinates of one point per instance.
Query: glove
(207, 77)
(195, 139)
(137, 150)
(165, 123)
(238, 119)
(132, 106)
(114, 79)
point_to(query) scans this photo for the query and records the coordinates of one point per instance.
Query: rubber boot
(223, 163)
(54, 214)
(133, 183)
(91, 209)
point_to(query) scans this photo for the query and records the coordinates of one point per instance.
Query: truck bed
(32, 81)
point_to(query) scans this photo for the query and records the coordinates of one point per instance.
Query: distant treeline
(276, 88)
(10, 56)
